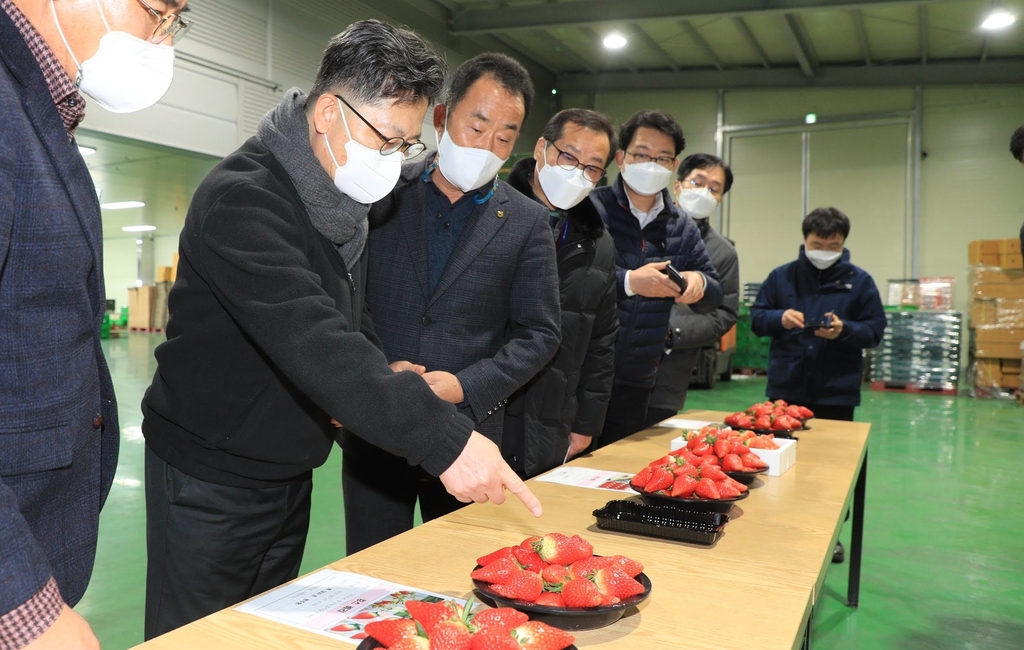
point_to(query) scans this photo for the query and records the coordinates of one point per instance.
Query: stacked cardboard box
(160, 305)
(997, 321)
(1004, 253)
(919, 348)
(140, 307)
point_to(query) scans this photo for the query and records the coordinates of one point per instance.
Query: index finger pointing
(515, 485)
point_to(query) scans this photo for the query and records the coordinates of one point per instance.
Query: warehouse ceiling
(751, 43)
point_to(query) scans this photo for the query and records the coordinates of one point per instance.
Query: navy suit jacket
(57, 458)
(494, 318)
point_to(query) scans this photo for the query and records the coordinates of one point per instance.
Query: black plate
(699, 505)
(746, 478)
(569, 619)
(779, 433)
(661, 521)
(370, 643)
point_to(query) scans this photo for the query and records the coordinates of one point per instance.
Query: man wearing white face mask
(462, 281)
(821, 312)
(558, 413)
(702, 181)
(58, 418)
(650, 233)
(268, 340)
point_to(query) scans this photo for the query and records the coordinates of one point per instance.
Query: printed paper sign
(584, 477)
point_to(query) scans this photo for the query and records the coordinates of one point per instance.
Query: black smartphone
(676, 277)
(824, 322)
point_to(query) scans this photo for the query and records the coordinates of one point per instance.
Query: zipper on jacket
(351, 282)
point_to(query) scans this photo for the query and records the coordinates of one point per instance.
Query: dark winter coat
(804, 368)
(691, 330)
(643, 322)
(570, 395)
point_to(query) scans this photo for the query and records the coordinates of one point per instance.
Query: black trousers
(831, 412)
(381, 491)
(656, 415)
(627, 413)
(211, 546)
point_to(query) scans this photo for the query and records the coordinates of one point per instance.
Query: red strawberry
(753, 460)
(586, 567)
(528, 542)
(732, 463)
(793, 412)
(706, 489)
(806, 413)
(450, 635)
(535, 635)
(641, 478)
(344, 627)
(391, 631)
(763, 422)
(550, 599)
(429, 614)
(412, 643)
(499, 619)
(692, 443)
(493, 641)
(631, 567)
(498, 572)
(495, 556)
(747, 422)
(660, 480)
(736, 485)
(781, 424)
(712, 472)
(614, 581)
(661, 462)
(725, 490)
(524, 585)
(556, 548)
(581, 592)
(683, 486)
(555, 574)
(528, 559)
(722, 446)
(711, 459)
(703, 449)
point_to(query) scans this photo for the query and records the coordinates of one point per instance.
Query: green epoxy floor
(944, 528)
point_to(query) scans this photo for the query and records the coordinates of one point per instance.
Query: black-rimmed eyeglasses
(568, 162)
(171, 26)
(391, 145)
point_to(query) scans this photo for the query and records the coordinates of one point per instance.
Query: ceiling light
(86, 151)
(554, 91)
(811, 118)
(614, 41)
(122, 205)
(998, 19)
(138, 228)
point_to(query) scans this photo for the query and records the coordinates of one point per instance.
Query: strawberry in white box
(781, 459)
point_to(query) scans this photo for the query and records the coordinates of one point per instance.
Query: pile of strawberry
(698, 470)
(559, 571)
(450, 626)
(775, 416)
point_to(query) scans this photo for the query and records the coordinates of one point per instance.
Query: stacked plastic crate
(920, 351)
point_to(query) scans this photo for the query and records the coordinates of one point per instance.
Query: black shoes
(838, 553)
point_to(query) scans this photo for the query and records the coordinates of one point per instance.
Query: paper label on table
(337, 604)
(680, 423)
(598, 479)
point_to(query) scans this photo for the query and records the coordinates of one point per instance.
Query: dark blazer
(57, 457)
(644, 322)
(493, 318)
(804, 368)
(267, 342)
(570, 395)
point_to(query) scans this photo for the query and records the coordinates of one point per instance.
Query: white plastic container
(779, 460)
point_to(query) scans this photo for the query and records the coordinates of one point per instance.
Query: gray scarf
(339, 218)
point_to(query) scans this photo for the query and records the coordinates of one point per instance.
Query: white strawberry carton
(779, 460)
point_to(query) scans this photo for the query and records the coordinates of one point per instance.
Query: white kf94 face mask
(646, 179)
(368, 175)
(126, 74)
(564, 188)
(823, 259)
(465, 167)
(697, 203)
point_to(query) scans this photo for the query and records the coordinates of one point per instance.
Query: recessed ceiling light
(614, 41)
(122, 205)
(998, 19)
(86, 151)
(138, 228)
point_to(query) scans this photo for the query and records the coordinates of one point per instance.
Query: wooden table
(770, 563)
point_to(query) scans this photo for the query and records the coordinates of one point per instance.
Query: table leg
(857, 536)
(807, 631)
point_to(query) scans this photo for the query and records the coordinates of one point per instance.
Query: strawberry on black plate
(370, 643)
(697, 504)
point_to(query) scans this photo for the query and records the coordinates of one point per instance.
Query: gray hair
(372, 61)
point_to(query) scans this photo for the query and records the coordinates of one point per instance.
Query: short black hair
(704, 161)
(509, 73)
(826, 223)
(1017, 144)
(588, 119)
(656, 120)
(372, 61)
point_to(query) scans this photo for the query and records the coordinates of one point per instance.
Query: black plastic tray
(662, 521)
